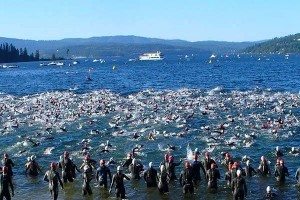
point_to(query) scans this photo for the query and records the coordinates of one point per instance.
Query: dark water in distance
(175, 72)
(231, 81)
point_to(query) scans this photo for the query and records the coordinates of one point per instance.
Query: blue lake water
(160, 96)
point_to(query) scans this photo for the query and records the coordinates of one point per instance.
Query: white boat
(59, 64)
(51, 63)
(9, 66)
(152, 56)
(56, 63)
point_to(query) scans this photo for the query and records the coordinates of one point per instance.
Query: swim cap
(134, 161)
(238, 172)
(150, 164)
(162, 168)
(33, 157)
(248, 162)
(102, 162)
(119, 168)
(87, 157)
(53, 165)
(66, 154)
(213, 165)
(166, 156)
(268, 189)
(195, 157)
(187, 164)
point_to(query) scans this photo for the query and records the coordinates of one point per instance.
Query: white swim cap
(162, 168)
(238, 172)
(150, 164)
(33, 157)
(248, 162)
(119, 168)
(268, 189)
(134, 161)
(277, 148)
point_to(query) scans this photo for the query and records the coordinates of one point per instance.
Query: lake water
(176, 99)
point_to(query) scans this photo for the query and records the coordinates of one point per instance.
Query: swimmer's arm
(97, 175)
(109, 174)
(60, 182)
(126, 177)
(112, 183)
(11, 186)
(203, 170)
(46, 177)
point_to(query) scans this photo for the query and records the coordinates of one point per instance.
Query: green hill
(287, 44)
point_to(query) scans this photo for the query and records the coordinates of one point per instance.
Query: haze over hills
(122, 46)
(287, 44)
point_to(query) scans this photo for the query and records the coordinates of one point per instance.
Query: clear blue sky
(194, 20)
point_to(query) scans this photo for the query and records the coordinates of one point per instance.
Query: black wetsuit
(207, 163)
(7, 162)
(170, 167)
(239, 188)
(249, 170)
(53, 178)
(150, 176)
(297, 176)
(102, 173)
(5, 183)
(212, 176)
(186, 180)
(86, 188)
(67, 167)
(127, 162)
(120, 189)
(196, 167)
(264, 168)
(270, 196)
(163, 186)
(280, 173)
(135, 170)
(33, 168)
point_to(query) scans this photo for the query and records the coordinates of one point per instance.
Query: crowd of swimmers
(196, 171)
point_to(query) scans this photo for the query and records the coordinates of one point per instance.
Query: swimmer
(102, 173)
(186, 179)
(239, 187)
(150, 176)
(52, 176)
(32, 167)
(118, 179)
